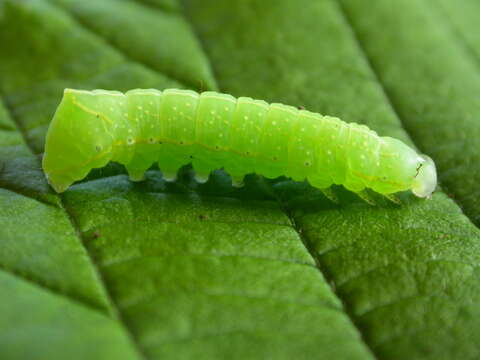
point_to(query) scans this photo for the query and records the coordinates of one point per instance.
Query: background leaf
(115, 269)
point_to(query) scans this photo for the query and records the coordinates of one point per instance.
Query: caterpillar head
(78, 139)
(401, 168)
(425, 179)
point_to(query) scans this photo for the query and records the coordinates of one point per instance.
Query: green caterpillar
(212, 130)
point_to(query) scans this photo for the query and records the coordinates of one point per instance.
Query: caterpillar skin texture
(212, 130)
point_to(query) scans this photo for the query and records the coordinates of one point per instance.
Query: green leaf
(38, 323)
(118, 270)
(172, 49)
(12, 144)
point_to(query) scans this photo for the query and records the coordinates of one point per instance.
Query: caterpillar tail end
(78, 139)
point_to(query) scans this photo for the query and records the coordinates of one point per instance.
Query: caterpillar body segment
(213, 130)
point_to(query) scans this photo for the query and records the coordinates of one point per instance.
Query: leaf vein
(150, 297)
(192, 254)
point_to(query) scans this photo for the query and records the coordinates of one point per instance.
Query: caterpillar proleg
(213, 130)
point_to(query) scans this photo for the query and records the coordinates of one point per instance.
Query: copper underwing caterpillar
(213, 130)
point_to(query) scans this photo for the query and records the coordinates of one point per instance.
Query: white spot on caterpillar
(130, 141)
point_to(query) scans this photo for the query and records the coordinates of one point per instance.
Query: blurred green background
(118, 270)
